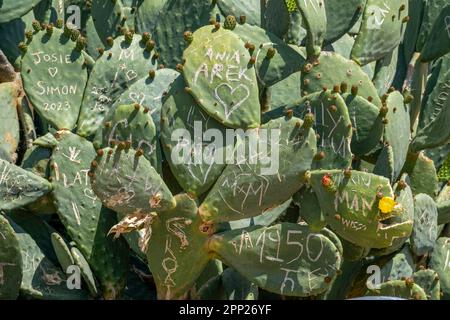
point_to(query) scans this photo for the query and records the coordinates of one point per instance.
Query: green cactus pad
(19, 187)
(62, 251)
(133, 124)
(367, 124)
(285, 92)
(438, 42)
(81, 212)
(93, 39)
(221, 78)
(433, 129)
(314, 19)
(149, 93)
(332, 124)
(385, 163)
(382, 29)
(12, 9)
(309, 209)
(54, 78)
(431, 13)
(316, 77)
(424, 233)
(422, 174)
(11, 262)
(404, 196)
(169, 32)
(195, 164)
(36, 160)
(86, 272)
(176, 253)
(400, 266)
(120, 65)
(428, 280)
(272, 263)
(270, 70)
(440, 263)
(275, 17)
(9, 131)
(252, 184)
(399, 288)
(110, 16)
(352, 252)
(42, 277)
(136, 187)
(147, 15)
(341, 17)
(350, 205)
(397, 130)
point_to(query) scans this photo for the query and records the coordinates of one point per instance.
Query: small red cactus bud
(137, 106)
(252, 60)
(100, 152)
(326, 180)
(242, 19)
(336, 88)
(151, 74)
(354, 90)
(139, 152)
(187, 35)
(344, 87)
(289, 113)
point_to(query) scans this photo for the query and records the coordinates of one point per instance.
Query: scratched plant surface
(224, 149)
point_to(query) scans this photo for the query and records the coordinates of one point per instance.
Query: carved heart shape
(227, 109)
(53, 71)
(137, 97)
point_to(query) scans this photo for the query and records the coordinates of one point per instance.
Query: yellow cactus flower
(387, 204)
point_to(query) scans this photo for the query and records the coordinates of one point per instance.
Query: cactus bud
(308, 120)
(129, 37)
(110, 41)
(100, 152)
(252, 60)
(145, 37)
(271, 53)
(344, 87)
(319, 156)
(139, 152)
(74, 34)
(59, 23)
(336, 88)
(230, 22)
(49, 29)
(101, 51)
(242, 19)
(354, 90)
(188, 37)
(23, 47)
(36, 25)
(137, 106)
(217, 25)
(81, 43)
(307, 68)
(29, 34)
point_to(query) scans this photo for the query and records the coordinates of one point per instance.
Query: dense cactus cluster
(224, 149)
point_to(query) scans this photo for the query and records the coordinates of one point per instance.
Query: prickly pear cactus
(57, 95)
(220, 77)
(269, 248)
